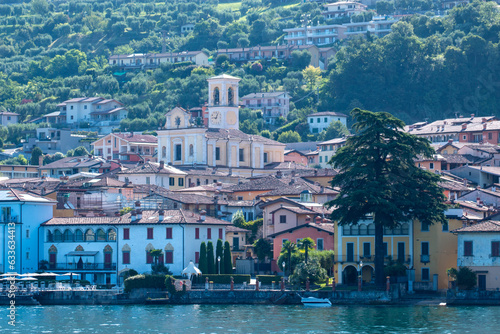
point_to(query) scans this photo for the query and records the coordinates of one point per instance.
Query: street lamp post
(360, 284)
(284, 272)
(218, 262)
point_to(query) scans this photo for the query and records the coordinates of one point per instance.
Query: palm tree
(306, 244)
(289, 248)
(155, 254)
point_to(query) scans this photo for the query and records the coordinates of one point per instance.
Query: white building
(321, 120)
(102, 249)
(343, 8)
(7, 118)
(153, 60)
(22, 214)
(328, 149)
(272, 104)
(478, 247)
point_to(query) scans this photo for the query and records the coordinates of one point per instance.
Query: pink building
(322, 234)
(296, 156)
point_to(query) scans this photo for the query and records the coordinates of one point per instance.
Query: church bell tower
(223, 102)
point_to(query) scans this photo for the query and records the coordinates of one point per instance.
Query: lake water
(251, 319)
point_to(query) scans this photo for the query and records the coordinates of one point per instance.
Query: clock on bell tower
(223, 102)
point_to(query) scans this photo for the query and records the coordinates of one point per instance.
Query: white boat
(315, 302)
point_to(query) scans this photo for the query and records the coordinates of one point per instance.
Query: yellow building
(355, 249)
(435, 250)
(222, 145)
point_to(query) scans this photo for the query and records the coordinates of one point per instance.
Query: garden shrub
(268, 279)
(145, 281)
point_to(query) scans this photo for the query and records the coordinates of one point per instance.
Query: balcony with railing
(78, 266)
(354, 258)
(425, 258)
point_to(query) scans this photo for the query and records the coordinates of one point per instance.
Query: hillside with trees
(428, 67)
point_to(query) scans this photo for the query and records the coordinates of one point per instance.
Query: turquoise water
(251, 319)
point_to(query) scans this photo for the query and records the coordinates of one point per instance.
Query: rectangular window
(126, 234)
(490, 135)
(431, 165)
(27, 255)
(283, 219)
(311, 120)
(424, 248)
(169, 233)
(326, 120)
(150, 233)
(178, 152)
(318, 120)
(27, 234)
(319, 244)
(386, 249)
(149, 258)
(217, 153)
(196, 257)
(445, 227)
(197, 233)
(209, 233)
(425, 274)
(401, 251)
(171, 181)
(265, 157)
(242, 154)
(221, 232)
(367, 251)
(320, 159)
(240, 198)
(169, 257)
(181, 182)
(468, 248)
(148, 180)
(350, 252)
(495, 248)
(126, 258)
(424, 227)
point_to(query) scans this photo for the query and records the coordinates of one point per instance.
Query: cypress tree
(202, 265)
(210, 258)
(228, 266)
(218, 254)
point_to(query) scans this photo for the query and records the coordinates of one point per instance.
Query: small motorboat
(315, 302)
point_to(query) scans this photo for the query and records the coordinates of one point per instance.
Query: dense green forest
(430, 66)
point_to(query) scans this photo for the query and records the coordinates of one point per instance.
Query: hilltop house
(128, 147)
(272, 104)
(321, 120)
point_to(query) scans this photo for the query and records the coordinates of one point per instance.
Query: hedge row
(145, 281)
(223, 279)
(269, 279)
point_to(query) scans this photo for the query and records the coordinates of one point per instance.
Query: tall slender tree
(202, 265)
(289, 248)
(228, 265)
(210, 258)
(219, 267)
(378, 177)
(307, 244)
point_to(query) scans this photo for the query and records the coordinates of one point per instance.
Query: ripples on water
(251, 319)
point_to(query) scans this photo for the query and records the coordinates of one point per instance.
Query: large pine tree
(377, 176)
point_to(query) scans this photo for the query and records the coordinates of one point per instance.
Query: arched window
(50, 236)
(68, 235)
(164, 152)
(52, 256)
(101, 235)
(363, 229)
(216, 96)
(371, 229)
(89, 235)
(230, 96)
(111, 235)
(58, 236)
(191, 150)
(78, 235)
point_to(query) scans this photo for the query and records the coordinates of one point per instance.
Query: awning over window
(83, 253)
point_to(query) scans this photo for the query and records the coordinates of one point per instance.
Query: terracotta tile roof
(137, 138)
(232, 228)
(187, 198)
(327, 113)
(75, 162)
(152, 168)
(472, 205)
(263, 183)
(13, 195)
(225, 188)
(148, 217)
(317, 172)
(487, 226)
(237, 134)
(297, 210)
(295, 186)
(329, 228)
(286, 166)
(242, 203)
(94, 183)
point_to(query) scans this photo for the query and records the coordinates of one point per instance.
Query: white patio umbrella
(191, 270)
(27, 275)
(9, 274)
(70, 276)
(47, 274)
(28, 279)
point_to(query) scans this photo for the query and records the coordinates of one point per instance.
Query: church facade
(183, 144)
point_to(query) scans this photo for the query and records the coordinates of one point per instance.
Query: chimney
(484, 126)
(137, 205)
(450, 141)
(315, 172)
(161, 215)
(162, 164)
(279, 174)
(203, 215)
(472, 116)
(219, 186)
(308, 219)
(464, 126)
(322, 190)
(318, 219)
(139, 214)
(478, 201)
(484, 120)
(132, 215)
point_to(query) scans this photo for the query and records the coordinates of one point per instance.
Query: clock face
(231, 118)
(216, 117)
